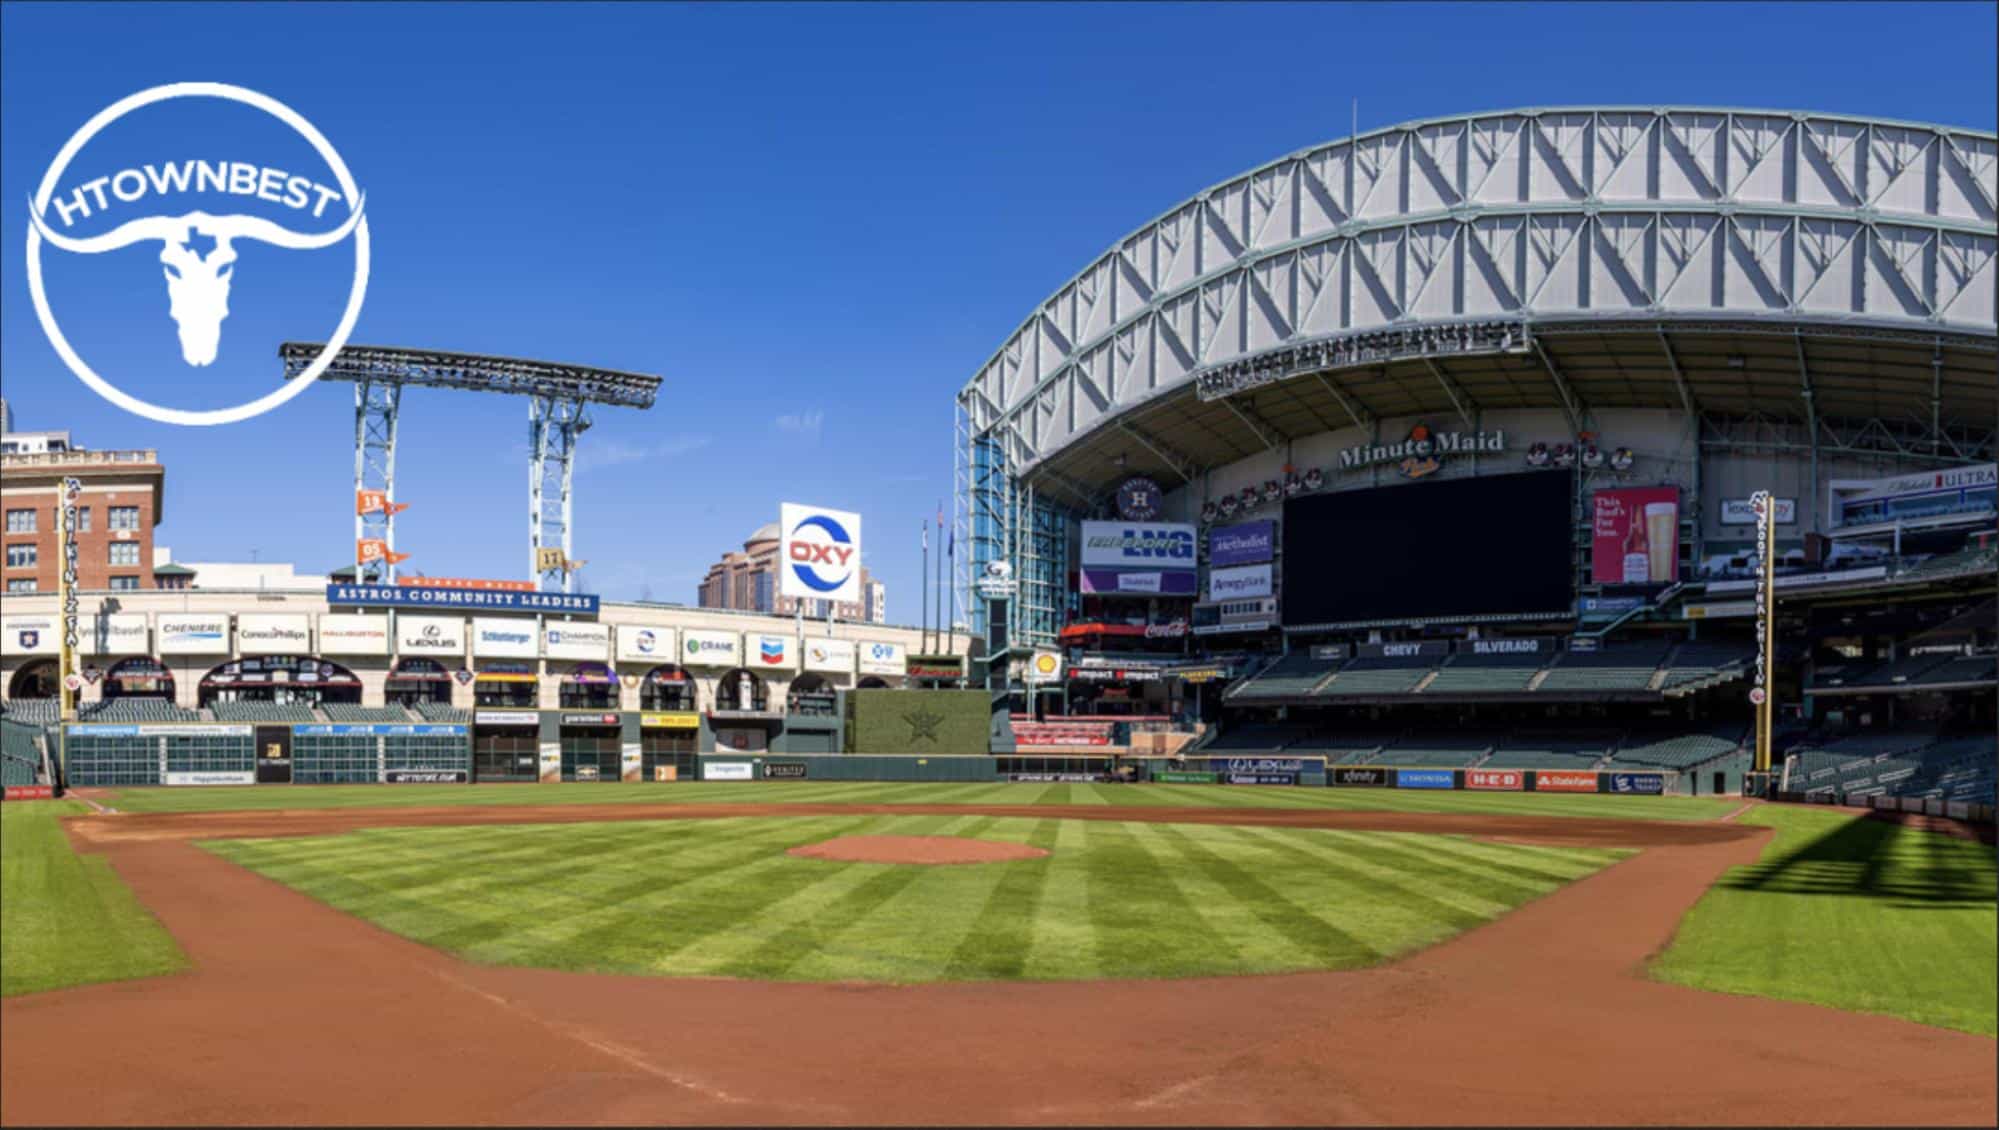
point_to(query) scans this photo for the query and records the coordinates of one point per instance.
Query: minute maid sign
(1423, 451)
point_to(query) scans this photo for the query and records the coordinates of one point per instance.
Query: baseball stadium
(1489, 620)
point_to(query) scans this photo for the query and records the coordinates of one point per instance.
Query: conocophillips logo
(197, 249)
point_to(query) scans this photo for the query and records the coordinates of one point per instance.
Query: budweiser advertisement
(1635, 536)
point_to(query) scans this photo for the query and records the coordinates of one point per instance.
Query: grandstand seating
(261, 712)
(1254, 738)
(1568, 750)
(1064, 732)
(1623, 667)
(132, 709)
(1341, 747)
(41, 711)
(441, 712)
(1698, 664)
(20, 752)
(1289, 676)
(1676, 749)
(1962, 669)
(1486, 674)
(1379, 675)
(352, 712)
(1440, 751)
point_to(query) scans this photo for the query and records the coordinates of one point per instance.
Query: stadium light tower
(558, 399)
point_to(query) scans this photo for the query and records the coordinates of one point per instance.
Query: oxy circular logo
(198, 251)
(822, 553)
(645, 641)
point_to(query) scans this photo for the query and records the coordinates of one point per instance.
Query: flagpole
(924, 572)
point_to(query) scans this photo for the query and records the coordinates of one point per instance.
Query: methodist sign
(819, 553)
(1247, 544)
(1151, 558)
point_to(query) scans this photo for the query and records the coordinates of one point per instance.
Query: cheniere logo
(198, 251)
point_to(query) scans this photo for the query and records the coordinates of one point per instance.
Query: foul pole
(1764, 508)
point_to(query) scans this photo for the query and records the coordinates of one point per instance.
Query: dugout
(397, 753)
(162, 753)
(505, 745)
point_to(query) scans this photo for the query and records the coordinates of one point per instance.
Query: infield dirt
(295, 1012)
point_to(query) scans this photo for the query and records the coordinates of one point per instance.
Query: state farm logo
(97, 212)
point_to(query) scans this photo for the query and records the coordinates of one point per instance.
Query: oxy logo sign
(821, 552)
(145, 203)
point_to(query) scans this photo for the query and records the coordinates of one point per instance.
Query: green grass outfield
(67, 919)
(1857, 914)
(721, 897)
(241, 798)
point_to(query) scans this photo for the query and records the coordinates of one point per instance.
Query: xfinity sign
(819, 552)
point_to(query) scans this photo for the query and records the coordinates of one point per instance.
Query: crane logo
(197, 250)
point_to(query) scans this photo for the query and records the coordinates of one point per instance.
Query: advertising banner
(213, 777)
(1741, 512)
(1425, 779)
(702, 648)
(1147, 582)
(1565, 781)
(832, 656)
(551, 761)
(430, 635)
(1647, 784)
(446, 597)
(631, 760)
(671, 720)
(819, 553)
(1635, 536)
(1256, 764)
(1533, 645)
(637, 644)
(572, 639)
(489, 584)
(186, 634)
(936, 666)
(1414, 649)
(354, 634)
(773, 652)
(1138, 545)
(1239, 581)
(882, 658)
(499, 637)
(157, 730)
(506, 718)
(784, 770)
(1361, 775)
(1718, 610)
(426, 776)
(1043, 667)
(1510, 780)
(727, 771)
(1246, 544)
(264, 633)
(1262, 779)
(31, 635)
(28, 792)
(120, 633)
(1184, 777)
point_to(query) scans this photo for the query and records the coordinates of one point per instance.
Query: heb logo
(1503, 779)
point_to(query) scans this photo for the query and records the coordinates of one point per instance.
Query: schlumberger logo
(198, 250)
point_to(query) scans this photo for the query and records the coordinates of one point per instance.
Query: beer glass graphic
(1661, 518)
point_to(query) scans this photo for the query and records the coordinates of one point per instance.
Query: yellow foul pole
(1760, 691)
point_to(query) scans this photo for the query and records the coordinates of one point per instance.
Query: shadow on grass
(1876, 859)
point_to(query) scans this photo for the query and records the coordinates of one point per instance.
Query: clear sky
(814, 222)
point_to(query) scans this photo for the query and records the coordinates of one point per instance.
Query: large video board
(1460, 547)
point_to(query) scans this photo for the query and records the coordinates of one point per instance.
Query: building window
(20, 521)
(21, 556)
(124, 553)
(83, 519)
(22, 585)
(124, 518)
(122, 583)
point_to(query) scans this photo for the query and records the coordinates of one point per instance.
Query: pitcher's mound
(915, 849)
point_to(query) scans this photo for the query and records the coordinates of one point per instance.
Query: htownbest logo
(198, 250)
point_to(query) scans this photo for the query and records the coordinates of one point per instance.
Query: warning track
(294, 1012)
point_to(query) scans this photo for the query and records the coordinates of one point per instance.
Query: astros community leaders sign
(421, 596)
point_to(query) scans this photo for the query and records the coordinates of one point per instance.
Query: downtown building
(747, 581)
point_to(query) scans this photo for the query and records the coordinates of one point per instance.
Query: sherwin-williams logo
(198, 251)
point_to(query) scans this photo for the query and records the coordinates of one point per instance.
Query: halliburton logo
(198, 251)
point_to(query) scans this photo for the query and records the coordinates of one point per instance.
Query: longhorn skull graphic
(198, 282)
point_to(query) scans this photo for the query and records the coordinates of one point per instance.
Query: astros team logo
(107, 206)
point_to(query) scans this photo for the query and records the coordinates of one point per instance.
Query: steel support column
(376, 407)
(554, 425)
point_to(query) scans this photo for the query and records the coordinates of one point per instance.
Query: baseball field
(816, 952)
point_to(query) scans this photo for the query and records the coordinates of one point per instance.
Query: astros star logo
(923, 723)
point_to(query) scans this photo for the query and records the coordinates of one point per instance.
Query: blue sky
(814, 222)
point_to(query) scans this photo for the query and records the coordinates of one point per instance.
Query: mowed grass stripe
(1253, 944)
(1441, 892)
(1131, 896)
(1061, 944)
(996, 944)
(1330, 945)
